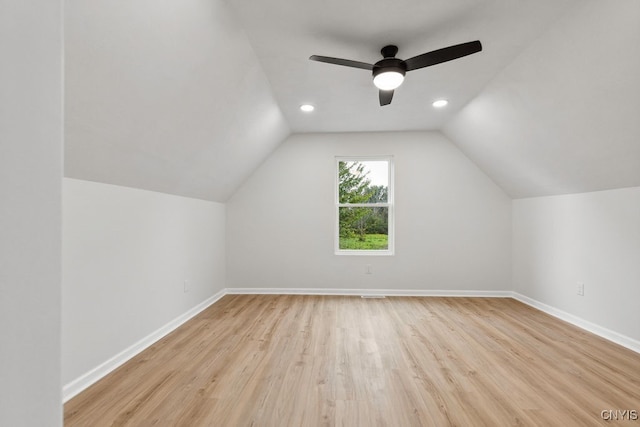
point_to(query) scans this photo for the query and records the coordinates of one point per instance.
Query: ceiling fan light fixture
(388, 73)
(388, 80)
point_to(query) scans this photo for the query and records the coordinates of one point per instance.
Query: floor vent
(372, 296)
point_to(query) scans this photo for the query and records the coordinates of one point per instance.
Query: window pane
(364, 228)
(363, 181)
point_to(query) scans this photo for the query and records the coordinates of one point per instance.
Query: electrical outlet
(186, 286)
(581, 289)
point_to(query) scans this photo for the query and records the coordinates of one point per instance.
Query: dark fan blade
(345, 62)
(443, 55)
(385, 97)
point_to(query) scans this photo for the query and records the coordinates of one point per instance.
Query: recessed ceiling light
(307, 108)
(440, 103)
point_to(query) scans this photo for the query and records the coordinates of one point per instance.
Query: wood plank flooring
(285, 360)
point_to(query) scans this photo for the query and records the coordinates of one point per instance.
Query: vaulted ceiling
(189, 97)
(165, 95)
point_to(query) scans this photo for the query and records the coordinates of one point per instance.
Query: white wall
(30, 187)
(593, 238)
(126, 254)
(453, 224)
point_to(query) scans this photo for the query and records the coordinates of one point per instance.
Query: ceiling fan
(388, 73)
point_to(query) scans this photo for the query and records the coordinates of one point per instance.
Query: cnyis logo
(619, 415)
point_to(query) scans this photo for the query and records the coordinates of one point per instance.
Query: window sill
(364, 253)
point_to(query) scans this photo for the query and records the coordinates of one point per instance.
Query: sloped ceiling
(189, 97)
(165, 95)
(564, 117)
(284, 33)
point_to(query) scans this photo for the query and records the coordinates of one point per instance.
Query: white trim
(390, 205)
(364, 205)
(76, 386)
(360, 292)
(364, 252)
(602, 332)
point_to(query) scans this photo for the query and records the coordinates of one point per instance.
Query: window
(364, 206)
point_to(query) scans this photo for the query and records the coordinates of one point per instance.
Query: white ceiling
(189, 97)
(165, 95)
(564, 117)
(284, 33)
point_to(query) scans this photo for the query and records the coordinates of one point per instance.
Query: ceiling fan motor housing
(388, 74)
(389, 64)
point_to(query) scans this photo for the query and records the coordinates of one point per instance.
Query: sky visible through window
(378, 171)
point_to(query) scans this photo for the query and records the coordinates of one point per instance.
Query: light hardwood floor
(267, 360)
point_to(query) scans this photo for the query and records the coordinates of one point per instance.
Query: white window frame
(389, 205)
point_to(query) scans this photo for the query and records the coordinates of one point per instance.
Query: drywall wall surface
(31, 144)
(452, 222)
(126, 256)
(589, 238)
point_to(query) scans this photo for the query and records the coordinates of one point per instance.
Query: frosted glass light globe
(388, 80)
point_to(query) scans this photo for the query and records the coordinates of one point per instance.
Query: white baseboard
(376, 292)
(605, 333)
(76, 386)
(79, 384)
